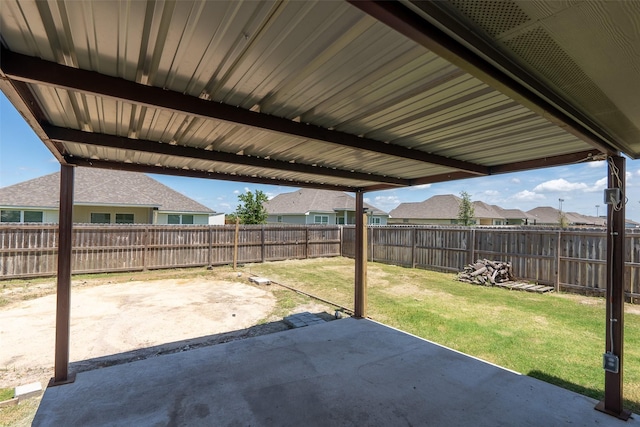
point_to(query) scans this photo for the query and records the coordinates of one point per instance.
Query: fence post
(472, 246)
(145, 250)
(306, 241)
(262, 243)
(557, 281)
(235, 244)
(210, 254)
(414, 239)
(371, 242)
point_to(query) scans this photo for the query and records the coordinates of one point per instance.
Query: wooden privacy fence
(567, 259)
(31, 250)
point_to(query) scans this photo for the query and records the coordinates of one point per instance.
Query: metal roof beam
(545, 162)
(38, 71)
(75, 136)
(191, 173)
(405, 21)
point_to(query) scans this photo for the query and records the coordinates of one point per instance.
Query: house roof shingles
(437, 207)
(100, 187)
(308, 200)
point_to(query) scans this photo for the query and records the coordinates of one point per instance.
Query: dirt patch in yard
(114, 318)
(124, 317)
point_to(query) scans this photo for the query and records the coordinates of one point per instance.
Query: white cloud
(236, 191)
(598, 164)
(366, 200)
(386, 203)
(225, 205)
(515, 180)
(387, 199)
(247, 189)
(599, 185)
(526, 195)
(491, 193)
(560, 185)
(420, 187)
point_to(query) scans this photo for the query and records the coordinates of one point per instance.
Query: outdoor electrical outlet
(610, 362)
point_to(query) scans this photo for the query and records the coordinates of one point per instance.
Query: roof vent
(493, 16)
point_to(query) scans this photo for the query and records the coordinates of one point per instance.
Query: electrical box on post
(610, 362)
(612, 196)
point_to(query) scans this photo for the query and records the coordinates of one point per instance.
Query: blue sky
(23, 156)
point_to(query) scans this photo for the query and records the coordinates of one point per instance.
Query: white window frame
(181, 219)
(108, 214)
(133, 218)
(21, 214)
(321, 219)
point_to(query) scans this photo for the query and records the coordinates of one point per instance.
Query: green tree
(465, 211)
(251, 209)
(563, 221)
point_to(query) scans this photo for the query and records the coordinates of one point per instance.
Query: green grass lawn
(558, 338)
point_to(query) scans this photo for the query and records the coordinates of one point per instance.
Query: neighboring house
(101, 196)
(443, 210)
(308, 206)
(514, 216)
(546, 215)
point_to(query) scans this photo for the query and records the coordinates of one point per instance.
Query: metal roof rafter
(38, 71)
(191, 173)
(120, 142)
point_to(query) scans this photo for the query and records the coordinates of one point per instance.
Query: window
(279, 218)
(122, 218)
(179, 219)
(405, 220)
(100, 218)
(340, 220)
(321, 219)
(9, 216)
(374, 220)
(33, 216)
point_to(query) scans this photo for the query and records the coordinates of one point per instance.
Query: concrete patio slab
(342, 373)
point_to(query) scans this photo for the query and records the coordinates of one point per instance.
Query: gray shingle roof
(437, 207)
(307, 200)
(512, 213)
(549, 215)
(100, 187)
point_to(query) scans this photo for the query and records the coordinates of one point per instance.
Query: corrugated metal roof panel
(323, 63)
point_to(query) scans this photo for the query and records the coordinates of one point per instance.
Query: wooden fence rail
(31, 250)
(567, 259)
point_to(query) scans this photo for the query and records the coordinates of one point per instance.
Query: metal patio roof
(348, 96)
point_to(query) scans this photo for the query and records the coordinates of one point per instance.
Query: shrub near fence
(567, 259)
(28, 250)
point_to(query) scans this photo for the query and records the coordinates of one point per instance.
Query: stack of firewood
(486, 272)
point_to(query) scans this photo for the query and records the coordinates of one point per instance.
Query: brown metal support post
(613, 378)
(360, 309)
(63, 305)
